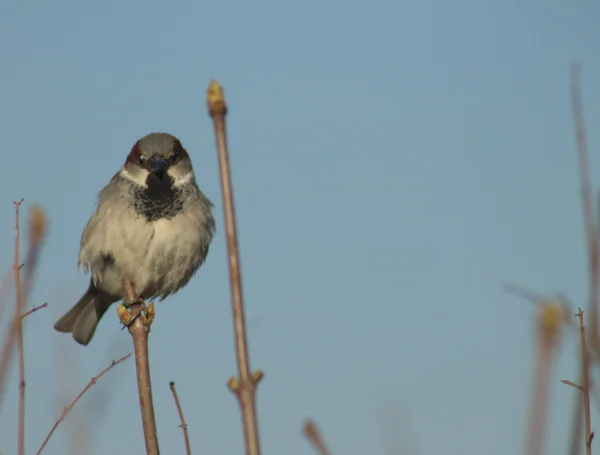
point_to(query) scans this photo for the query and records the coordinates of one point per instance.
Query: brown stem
(572, 384)
(18, 322)
(66, 410)
(37, 227)
(585, 374)
(244, 387)
(183, 425)
(312, 433)
(586, 198)
(34, 309)
(139, 330)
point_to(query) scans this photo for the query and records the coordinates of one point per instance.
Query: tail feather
(82, 319)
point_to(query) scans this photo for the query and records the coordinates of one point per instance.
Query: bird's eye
(177, 152)
(134, 155)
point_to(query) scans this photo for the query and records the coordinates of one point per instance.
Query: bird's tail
(82, 319)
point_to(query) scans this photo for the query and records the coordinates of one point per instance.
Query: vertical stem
(586, 199)
(246, 388)
(139, 330)
(585, 374)
(19, 334)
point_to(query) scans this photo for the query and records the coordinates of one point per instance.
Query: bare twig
(572, 384)
(244, 387)
(34, 309)
(585, 373)
(183, 425)
(138, 318)
(549, 323)
(586, 199)
(585, 390)
(66, 410)
(312, 433)
(18, 322)
(577, 421)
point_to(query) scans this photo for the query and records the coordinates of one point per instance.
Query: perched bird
(152, 228)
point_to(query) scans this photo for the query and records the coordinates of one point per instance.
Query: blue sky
(394, 164)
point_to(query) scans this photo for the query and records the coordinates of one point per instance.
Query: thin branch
(585, 389)
(312, 433)
(138, 318)
(585, 373)
(37, 225)
(572, 384)
(66, 410)
(245, 386)
(18, 323)
(183, 425)
(34, 309)
(586, 198)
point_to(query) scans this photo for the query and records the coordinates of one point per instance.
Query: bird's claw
(149, 313)
(124, 314)
(127, 314)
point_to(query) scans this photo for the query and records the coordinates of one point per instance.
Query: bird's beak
(157, 165)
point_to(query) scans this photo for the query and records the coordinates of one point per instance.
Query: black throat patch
(159, 199)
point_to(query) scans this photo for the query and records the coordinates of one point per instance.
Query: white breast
(173, 254)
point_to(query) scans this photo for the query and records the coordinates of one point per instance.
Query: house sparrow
(152, 227)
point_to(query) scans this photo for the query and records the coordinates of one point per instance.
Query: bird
(151, 231)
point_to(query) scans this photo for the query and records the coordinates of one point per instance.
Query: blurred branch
(550, 320)
(586, 199)
(539, 300)
(77, 398)
(183, 425)
(576, 425)
(312, 433)
(245, 387)
(5, 290)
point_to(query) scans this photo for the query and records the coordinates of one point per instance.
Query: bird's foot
(130, 312)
